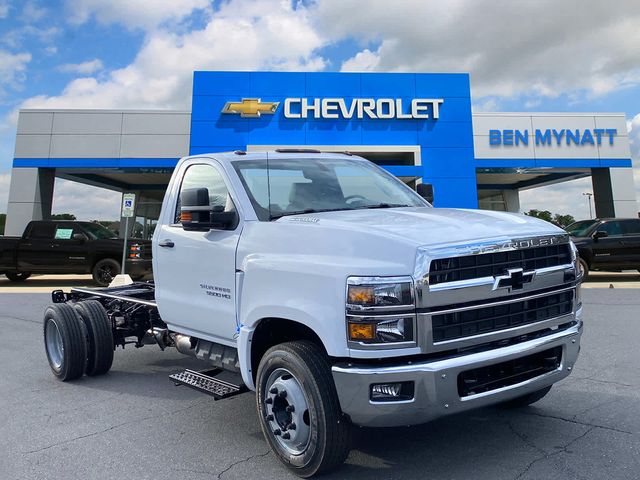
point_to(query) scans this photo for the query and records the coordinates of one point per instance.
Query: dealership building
(419, 127)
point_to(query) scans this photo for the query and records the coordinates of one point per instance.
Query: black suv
(607, 243)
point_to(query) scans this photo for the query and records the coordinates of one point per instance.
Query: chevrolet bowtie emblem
(250, 107)
(515, 279)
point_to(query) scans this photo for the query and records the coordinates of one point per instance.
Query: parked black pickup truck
(72, 247)
(611, 244)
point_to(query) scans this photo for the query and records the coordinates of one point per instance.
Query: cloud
(71, 197)
(4, 9)
(32, 12)
(242, 35)
(16, 38)
(510, 48)
(84, 68)
(13, 68)
(145, 14)
(564, 198)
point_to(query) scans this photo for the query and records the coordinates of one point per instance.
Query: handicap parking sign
(128, 204)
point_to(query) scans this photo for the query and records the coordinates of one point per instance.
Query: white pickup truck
(339, 295)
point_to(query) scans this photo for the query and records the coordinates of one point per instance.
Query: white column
(30, 198)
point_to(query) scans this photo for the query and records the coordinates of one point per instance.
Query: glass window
(305, 185)
(631, 227)
(42, 231)
(97, 231)
(612, 228)
(206, 176)
(580, 229)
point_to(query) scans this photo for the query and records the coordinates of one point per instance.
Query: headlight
(379, 293)
(381, 329)
(380, 311)
(575, 259)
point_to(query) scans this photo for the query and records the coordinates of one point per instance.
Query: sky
(544, 55)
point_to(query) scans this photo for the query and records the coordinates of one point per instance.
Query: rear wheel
(99, 335)
(18, 276)
(105, 271)
(65, 342)
(299, 409)
(528, 399)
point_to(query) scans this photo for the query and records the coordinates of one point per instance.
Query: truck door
(608, 252)
(195, 272)
(34, 250)
(631, 242)
(68, 254)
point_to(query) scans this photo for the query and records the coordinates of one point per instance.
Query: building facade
(419, 127)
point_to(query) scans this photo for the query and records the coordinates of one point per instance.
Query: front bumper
(436, 387)
(138, 267)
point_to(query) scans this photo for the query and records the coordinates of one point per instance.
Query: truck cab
(343, 298)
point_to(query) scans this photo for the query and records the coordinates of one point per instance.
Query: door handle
(166, 244)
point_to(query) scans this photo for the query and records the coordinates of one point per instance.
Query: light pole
(589, 195)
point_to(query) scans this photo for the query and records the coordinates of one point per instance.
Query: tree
(3, 219)
(63, 216)
(542, 214)
(563, 220)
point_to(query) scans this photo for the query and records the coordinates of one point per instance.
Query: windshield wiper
(307, 210)
(384, 205)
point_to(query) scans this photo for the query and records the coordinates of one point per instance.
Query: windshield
(294, 186)
(98, 232)
(580, 229)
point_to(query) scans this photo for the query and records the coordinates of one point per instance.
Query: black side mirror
(196, 214)
(425, 190)
(600, 234)
(81, 237)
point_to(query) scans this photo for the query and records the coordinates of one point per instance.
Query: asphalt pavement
(134, 423)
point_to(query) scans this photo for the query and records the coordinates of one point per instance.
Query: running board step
(207, 383)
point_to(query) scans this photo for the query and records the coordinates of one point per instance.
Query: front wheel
(105, 271)
(584, 269)
(18, 276)
(299, 410)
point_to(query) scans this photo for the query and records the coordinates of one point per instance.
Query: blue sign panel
(232, 110)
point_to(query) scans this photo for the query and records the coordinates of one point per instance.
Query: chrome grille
(452, 269)
(493, 318)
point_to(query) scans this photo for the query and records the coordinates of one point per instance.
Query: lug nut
(290, 408)
(283, 394)
(274, 390)
(269, 401)
(277, 432)
(286, 436)
(292, 426)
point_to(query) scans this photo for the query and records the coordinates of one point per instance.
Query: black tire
(526, 400)
(99, 337)
(65, 341)
(18, 276)
(329, 432)
(104, 271)
(584, 269)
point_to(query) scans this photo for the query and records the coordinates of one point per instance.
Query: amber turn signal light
(362, 331)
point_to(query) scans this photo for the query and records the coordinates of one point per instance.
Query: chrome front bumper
(436, 388)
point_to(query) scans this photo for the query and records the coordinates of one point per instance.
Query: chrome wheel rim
(287, 412)
(55, 349)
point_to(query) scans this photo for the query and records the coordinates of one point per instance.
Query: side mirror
(600, 234)
(80, 237)
(425, 190)
(196, 214)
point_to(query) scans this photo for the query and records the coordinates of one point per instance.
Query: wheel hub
(287, 412)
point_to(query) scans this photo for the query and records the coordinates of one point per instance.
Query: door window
(612, 228)
(631, 227)
(41, 231)
(206, 176)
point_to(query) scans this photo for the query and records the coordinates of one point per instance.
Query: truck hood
(431, 226)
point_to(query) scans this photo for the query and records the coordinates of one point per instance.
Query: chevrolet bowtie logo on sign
(250, 107)
(358, 108)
